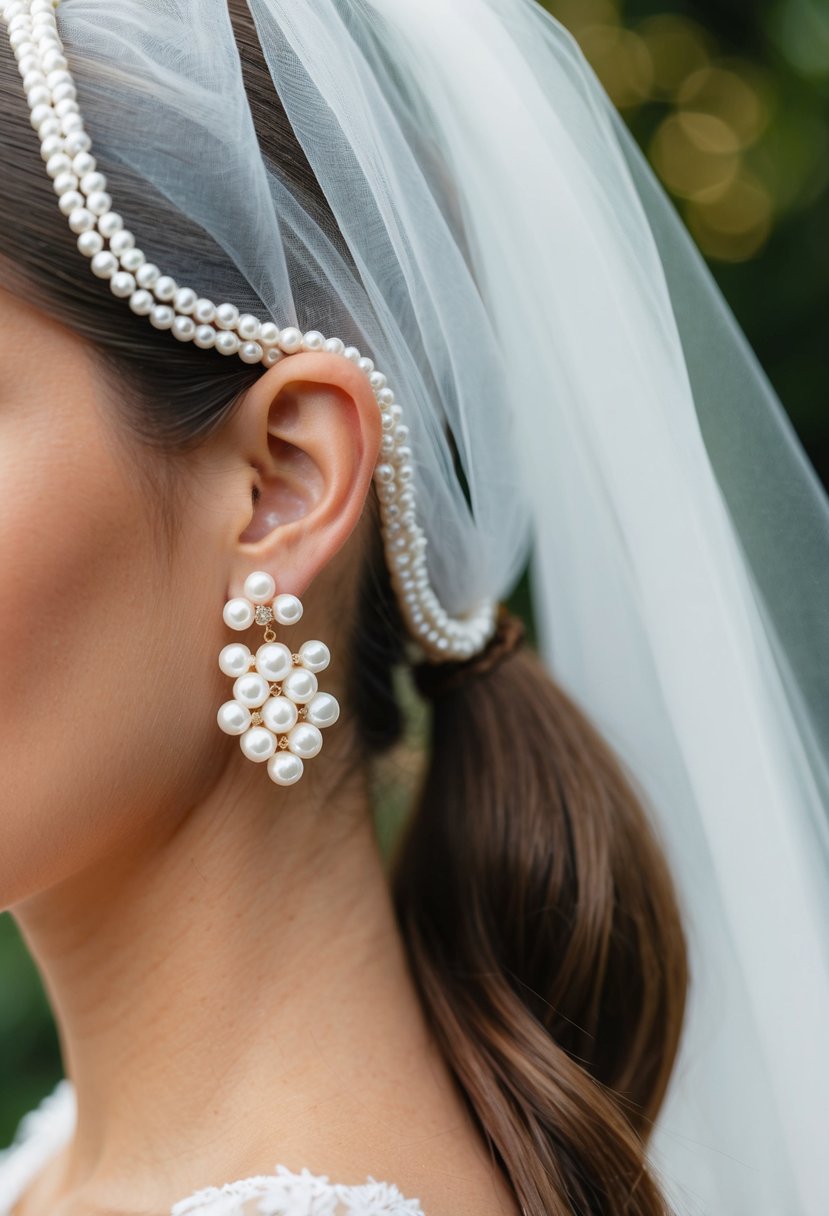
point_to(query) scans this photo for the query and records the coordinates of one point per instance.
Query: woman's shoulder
(46, 1128)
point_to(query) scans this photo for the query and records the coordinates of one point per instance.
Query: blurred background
(730, 100)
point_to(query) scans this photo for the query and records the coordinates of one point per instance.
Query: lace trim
(43, 1130)
(40, 1133)
(286, 1193)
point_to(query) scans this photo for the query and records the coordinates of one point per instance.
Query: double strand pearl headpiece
(113, 256)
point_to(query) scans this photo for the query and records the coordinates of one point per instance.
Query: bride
(323, 321)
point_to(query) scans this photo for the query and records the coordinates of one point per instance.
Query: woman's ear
(310, 430)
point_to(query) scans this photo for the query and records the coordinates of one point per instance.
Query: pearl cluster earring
(277, 709)
(115, 258)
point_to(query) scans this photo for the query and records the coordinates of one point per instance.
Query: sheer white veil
(516, 270)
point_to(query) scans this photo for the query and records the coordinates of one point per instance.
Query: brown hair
(537, 910)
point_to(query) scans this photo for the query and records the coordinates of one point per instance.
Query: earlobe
(313, 430)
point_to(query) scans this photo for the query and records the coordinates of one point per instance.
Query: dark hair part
(538, 912)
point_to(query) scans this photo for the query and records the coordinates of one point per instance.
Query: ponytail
(543, 933)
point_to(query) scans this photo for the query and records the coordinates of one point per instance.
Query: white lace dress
(46, 1128)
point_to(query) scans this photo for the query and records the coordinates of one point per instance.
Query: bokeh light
(735, 158)
(731, 106)
(677, 47)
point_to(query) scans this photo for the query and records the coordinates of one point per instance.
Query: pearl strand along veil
(508, 259)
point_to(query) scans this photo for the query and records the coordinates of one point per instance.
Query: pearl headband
(113, 256)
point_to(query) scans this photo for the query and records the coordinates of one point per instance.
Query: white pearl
(287, 609)
(280, 714)
(273, 660)
(272, 355)
(248, 327)
(141, 301)
(323, 709)
(290, 339)
(104, 264)
(259, 587)
(238, 613)
(165, 287)
(258, 744)
(83, 162)
(92, 182)
(268, 333)
(313, 340)
(234, 659)
(305, 740)
(205, 336)
(314, 655)
(335, 345)
(44, 122)
(53, 59)
(78, 141)
(250, 352)
(227, 342)
(233, 718)
(70, 122)
(59, 162)
(90, 243)
(99, 202)
(67, 107)
(81, 220)
(70, 201)
(184, 328)
(162, 316)
(226, 316)
(147, 275)
(185, 300)
(284, 768)
(251, 689)
(299, 684)
(63, 90)
(121, 241)
(131, 259)
(64, 182)
(109, 223)
(122, 284)
(18, 35)
(38, 96)
(204, 310)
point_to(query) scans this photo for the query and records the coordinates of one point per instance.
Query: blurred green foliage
(29, 1056)
(730, 100)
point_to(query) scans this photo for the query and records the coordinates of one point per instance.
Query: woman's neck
(232, 993)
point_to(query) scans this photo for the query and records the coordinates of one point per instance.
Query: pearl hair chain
(113, 256)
